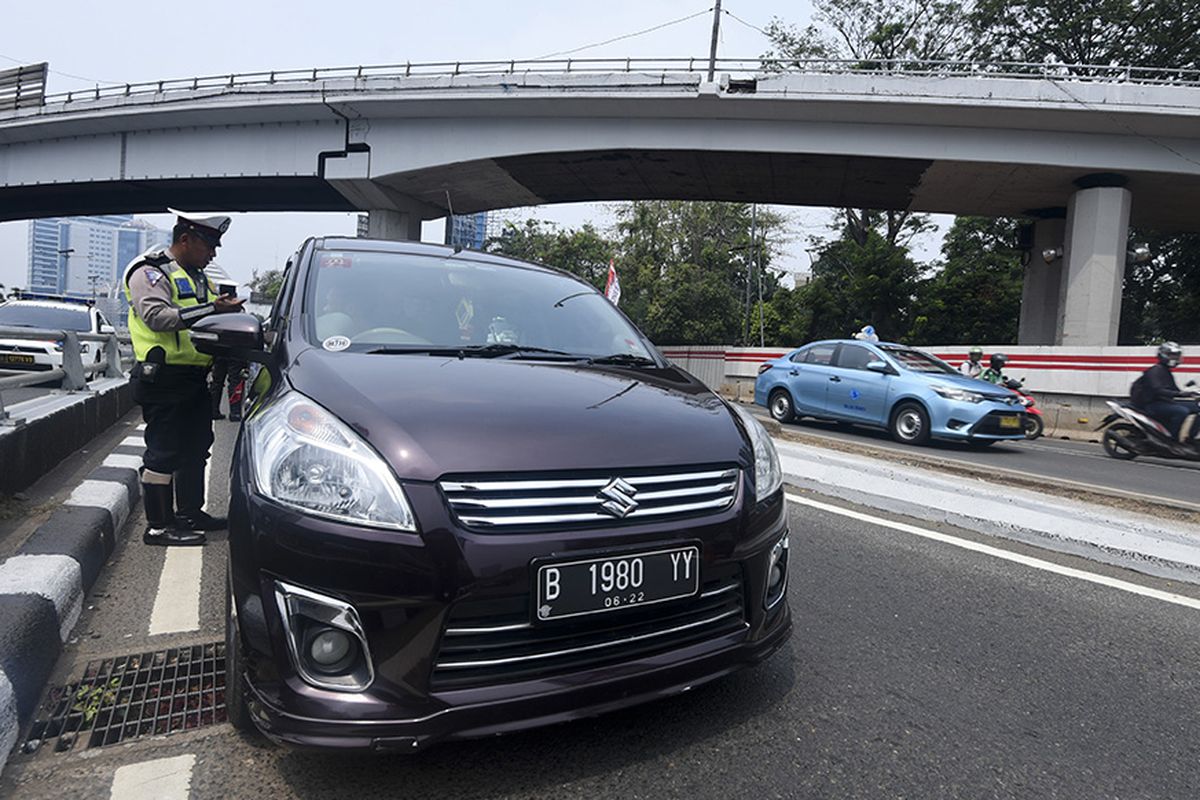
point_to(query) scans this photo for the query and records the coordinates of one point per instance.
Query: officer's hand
(227, 303)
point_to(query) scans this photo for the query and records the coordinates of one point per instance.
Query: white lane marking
(996, 552)
(9, 724)
(177, 603)
(109, 495)
(57, 578)
(161, 779)
(207, 482)
(122, 460)
(133, 441)
(141, 427)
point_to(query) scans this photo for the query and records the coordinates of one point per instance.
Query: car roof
(356, 244)
(859, 341)
(59, 304)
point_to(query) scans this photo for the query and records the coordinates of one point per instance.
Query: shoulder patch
(153, 275)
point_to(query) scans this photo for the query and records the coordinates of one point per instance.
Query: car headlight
(955, 393)
(306, 458)
(768, 477)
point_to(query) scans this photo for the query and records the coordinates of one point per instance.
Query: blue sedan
(910, 393)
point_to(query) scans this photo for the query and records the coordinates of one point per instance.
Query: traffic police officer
(167, 293)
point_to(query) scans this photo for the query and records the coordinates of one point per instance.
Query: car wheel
(236, 710)
(780, 404)
(1118, 440)
(910, 424)
(1034, 426)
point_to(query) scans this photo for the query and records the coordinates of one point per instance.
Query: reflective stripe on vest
(177, 345)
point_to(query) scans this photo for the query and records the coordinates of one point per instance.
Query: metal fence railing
(73, 374)
(736, 67)
(23, 87)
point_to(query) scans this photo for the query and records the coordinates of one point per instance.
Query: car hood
(431, 416)
(963, 382)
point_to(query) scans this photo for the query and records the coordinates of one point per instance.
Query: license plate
(15, 358)
(1010, 422)
(597, 585)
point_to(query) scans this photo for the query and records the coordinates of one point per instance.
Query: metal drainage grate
(122, 698)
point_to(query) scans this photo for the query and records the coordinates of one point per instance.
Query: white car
(42, 355)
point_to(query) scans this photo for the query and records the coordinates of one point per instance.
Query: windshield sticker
(334, 261)
(336, 343)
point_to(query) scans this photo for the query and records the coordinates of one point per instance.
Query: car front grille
(17, 348)
(579, 500)
(488, 642)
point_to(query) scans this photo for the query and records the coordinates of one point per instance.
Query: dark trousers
(178, 415)
(1169, 413)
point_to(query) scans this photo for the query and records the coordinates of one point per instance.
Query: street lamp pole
(712, 50)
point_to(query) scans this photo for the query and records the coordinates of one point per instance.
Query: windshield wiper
(494, 350)
(627, 359)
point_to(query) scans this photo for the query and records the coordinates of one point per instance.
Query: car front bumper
(409, 589)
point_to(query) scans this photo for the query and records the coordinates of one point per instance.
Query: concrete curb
(1167, 549)
(43, 587)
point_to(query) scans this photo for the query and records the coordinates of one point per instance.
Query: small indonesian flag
(612, 290)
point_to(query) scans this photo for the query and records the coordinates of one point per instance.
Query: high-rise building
(84, 256)
(469, 230)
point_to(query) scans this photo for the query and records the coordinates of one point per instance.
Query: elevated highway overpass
(1084, 157)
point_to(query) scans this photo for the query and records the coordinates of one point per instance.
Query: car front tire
(236, 710)
(780, 405)
(910, 424)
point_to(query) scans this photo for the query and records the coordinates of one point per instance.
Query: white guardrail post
(74, 379)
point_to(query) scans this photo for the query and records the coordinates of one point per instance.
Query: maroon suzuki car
(470, 497)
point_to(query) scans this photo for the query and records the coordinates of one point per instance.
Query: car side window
(821, 354)
(853, 356)
(800, 356)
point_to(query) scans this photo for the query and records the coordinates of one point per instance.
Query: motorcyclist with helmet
(1157, 394)
(995, 371)
(972, 366)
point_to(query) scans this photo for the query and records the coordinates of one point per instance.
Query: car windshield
(918, 361)
(31, 316)
(401, 301)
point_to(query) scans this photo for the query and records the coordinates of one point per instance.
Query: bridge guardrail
(73, 375)
(746, 66)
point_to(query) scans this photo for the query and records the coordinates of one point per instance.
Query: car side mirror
(229, 335)
(881, 366)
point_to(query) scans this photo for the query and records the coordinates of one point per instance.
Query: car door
(855, 392)
(808, 377)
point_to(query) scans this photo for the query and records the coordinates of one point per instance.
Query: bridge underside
(1163, 202)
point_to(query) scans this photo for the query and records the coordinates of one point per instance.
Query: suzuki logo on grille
(619, 494)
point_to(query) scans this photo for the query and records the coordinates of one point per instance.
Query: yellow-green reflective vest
(176, 344)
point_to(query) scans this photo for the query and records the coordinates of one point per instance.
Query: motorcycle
(1130, 432)
(1034, 425)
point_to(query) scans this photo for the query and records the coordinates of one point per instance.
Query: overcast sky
(88, 43)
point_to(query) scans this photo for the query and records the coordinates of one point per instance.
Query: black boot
(189, 499)
(161, 526)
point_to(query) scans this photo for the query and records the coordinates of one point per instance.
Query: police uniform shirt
(153, 301)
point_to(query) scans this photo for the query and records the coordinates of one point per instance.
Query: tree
(875, 32)
(860, 279)
(584, 252)
(975, 297)
(680, 261)
(1143, 33)
(1162, 295)
(267, 284)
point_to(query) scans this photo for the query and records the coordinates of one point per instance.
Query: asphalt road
(1055, 459)
(917, 669)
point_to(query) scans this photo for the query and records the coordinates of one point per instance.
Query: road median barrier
(1164, 542)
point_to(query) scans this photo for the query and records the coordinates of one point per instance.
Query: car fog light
(329, 649)
(777, 573)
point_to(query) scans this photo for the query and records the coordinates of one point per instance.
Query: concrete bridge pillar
(396, 226)
(1097, 235)
(1041, 292)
